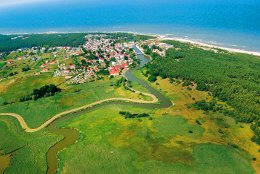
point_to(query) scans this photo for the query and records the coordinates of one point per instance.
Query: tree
(45, 91)
(26, 68)
(152, 78)
(229, 77)
(84, 62)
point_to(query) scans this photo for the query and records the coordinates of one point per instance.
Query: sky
(9, 3)
(12, 3)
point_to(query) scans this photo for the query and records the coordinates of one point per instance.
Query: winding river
(70, 136)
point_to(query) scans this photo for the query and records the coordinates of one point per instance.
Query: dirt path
(48, 122)
(28, 129)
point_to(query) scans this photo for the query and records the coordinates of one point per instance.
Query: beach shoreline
(202, 44)
(158, 36)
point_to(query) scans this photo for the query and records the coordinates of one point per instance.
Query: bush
(152, 78)
(26, 98)
(256, 139)
(130, 115)
(189, 88)
(45, 91)
(26, 68)
(198, 122)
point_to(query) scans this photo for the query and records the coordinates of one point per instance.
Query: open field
(171, 142)
(14, 146)
(72, 96)
(110, 143)
(23, 152)
(218, 128)
(16, 88)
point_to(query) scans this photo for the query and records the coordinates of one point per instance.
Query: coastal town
(130, 87)
(99, 56)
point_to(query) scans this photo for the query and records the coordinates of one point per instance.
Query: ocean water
(228, 23)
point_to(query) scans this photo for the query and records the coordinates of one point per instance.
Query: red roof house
(10, 61)
(115, 70)
(72, 66)
(45, 70)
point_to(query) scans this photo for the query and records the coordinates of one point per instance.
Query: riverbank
(142, 51)
(48, 122)
(71, 135)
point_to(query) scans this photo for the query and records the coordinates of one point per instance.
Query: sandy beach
(162, 37)
(201, 44)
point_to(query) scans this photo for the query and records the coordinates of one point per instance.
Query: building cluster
(77, 74)
(74, 74)
(108, 50)
(158, 47)
(100, 55)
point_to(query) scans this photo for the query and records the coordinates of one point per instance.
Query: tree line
(230, 77)
(127, 115)
(45, 91)
(8, 43)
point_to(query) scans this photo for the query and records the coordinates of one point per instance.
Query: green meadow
(72, 96)
(170, 140)
(109, 143)
(28, 150)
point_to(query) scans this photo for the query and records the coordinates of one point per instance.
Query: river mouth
(72, 135)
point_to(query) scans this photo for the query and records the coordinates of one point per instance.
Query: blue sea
(228, 23)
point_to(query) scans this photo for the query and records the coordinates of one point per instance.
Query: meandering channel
(71, 135)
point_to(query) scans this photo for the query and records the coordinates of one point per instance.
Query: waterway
(71, 135)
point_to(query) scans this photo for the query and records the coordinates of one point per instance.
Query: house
(10, 61)
(78, 53)
(20, 58)
(66, 71)
(44, 65)
(122, 66)
(45, 70)
(52, 62)
(114, 71)
(72, 66)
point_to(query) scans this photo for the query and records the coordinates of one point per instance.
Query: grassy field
(178, 139)
(23, 152)
(72, 96)
(4, 161)
(16, 88)
(218, 128)
(166, 144)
